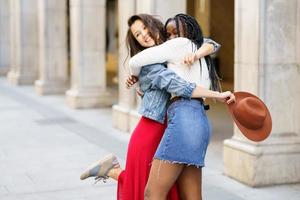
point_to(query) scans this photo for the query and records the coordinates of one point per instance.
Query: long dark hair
(156, 31)
(192, 30)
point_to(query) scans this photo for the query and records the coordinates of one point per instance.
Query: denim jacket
(157, 82)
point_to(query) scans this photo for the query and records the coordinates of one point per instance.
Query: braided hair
(192, 31)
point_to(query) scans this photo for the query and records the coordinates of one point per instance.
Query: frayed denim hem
(180, 162)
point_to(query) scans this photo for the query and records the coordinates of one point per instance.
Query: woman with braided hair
(192, 31)
(181, 152)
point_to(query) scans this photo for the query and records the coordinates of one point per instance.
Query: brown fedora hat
(251, 116)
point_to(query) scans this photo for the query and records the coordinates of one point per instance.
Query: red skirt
(141, 148)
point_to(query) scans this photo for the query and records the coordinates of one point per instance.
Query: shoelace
(101, 178)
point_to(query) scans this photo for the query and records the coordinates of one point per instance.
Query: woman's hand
(139, 91)
(227, 97)
(131, 80)
(190, 58)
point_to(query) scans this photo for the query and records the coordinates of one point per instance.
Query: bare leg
(115, 172)
(162, 177)
(190, 183)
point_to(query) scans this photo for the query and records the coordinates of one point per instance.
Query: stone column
(88, 73)
(111, 28)
(4, 39)
(203, 14)
(24, 42)
(298, 35)
(134, 115)
(126, 97)
(267, 47)
(111, 42)
(165, 9)
(169, 8)
(53, 59)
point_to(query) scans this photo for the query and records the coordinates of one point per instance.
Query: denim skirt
(187, 135)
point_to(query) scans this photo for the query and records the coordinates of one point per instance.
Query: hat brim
(254, 135)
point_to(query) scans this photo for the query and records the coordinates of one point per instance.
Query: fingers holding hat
(231, 98)
(228, 97)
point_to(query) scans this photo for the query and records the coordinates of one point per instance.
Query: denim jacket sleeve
(166, 79)
(216, 45)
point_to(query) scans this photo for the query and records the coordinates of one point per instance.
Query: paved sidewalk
(44, 146)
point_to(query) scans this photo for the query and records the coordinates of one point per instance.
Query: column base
(91, 99)
(50, 87)
(134, 118)
(120, 117)
(276, 161)
(4, 71)
(15, 78)
(125, 119)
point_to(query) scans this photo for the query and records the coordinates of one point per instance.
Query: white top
(173, 52)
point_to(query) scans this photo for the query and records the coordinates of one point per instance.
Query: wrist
(218, 94)
(198, 55)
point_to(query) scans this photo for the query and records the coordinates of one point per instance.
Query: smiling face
(141, 34)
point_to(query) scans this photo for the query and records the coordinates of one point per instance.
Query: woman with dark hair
(155, 81)
(181, 152)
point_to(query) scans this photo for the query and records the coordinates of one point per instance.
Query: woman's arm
(166, 79)
(158, 77)
(163, 78)
(165, 52)
(216, 46)
(208, 47)
(200, 92)
(157, 54)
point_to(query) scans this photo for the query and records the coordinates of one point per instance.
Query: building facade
(77, 48)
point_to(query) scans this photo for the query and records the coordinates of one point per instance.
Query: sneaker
(100, 169)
